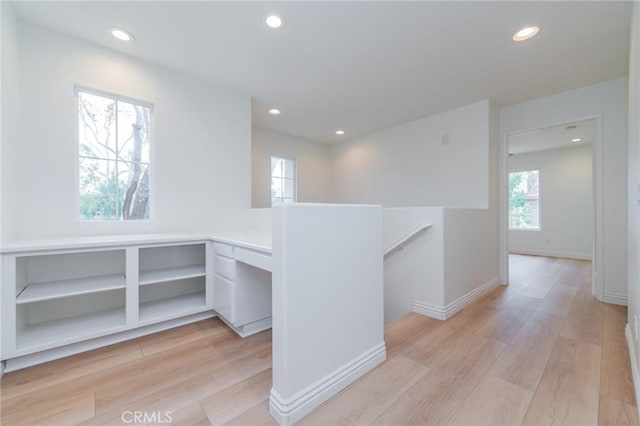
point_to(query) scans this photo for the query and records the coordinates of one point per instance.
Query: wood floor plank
(438, 343)
(435, 397)
(131, 373)
(165, 375)
(182, 393)
(568, 393)
(617, 413)
(256, 416)
(616, 381)
(229, 403)
(209, 328)
(472, 317)
(191, 415)
(493, 402)
(359, 405)
(524, 359)
(585, 320)
(61, 410)
(504, 325)
(559, 299)
(401, 334)
(42, 376)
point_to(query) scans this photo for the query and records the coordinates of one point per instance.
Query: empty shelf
(171, 274)
(172, 306)
(66, 288)
(68, 328)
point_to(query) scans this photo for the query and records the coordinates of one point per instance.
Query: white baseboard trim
(635, 374)
(615, 298)
(433, 311)
(457, 305)
(289, 410)
(546, 253)
(446, 312)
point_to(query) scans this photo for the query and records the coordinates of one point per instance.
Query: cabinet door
(224, 298)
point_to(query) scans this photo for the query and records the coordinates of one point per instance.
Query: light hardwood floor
(541, 351)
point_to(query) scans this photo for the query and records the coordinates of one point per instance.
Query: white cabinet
(242, 292)
(59, 302)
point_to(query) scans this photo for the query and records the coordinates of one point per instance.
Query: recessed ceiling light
(273, 20)
(576, 140)
(526, 33)
(121, 34)
(274, 111)
(339, 132)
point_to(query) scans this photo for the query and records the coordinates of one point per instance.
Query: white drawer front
(224, 299)
(223, 250)
(225, 267)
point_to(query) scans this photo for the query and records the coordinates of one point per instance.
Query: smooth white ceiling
(362, 66)
(555, 137)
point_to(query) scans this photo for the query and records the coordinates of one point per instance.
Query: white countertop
(253, 240)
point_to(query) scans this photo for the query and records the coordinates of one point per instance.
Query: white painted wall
(313, 166)
(9, 98)
(201, 143)
(608, 99)
(634, 182)
(414, 272)
(566, 205)
(470, 253)
(408, 165)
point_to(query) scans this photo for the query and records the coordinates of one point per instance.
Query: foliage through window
(114, 157)
(283, 180)
(524, 200)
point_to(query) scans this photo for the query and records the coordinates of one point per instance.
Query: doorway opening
(551, 199)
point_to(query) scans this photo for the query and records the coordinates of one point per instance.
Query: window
(114, 157)
(524, 200)
(283, 180)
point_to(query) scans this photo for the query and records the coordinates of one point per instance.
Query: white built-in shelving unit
(59, 297)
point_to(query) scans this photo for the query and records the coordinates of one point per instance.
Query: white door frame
(597, 264)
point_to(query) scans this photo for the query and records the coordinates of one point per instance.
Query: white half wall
(313, 166)
(327, 302)
(566, 203)
(608, 100)
(201, 144)
(440, 160)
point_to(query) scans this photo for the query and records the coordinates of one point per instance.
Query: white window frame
(295, 177)
(152, 179)
(539, 228)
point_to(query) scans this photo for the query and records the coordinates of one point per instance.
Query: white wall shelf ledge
(156, 276)
(73, 287)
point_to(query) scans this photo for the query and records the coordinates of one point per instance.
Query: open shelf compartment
(171, 263)
(72, 287)
(69, 319)
(47, 277)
